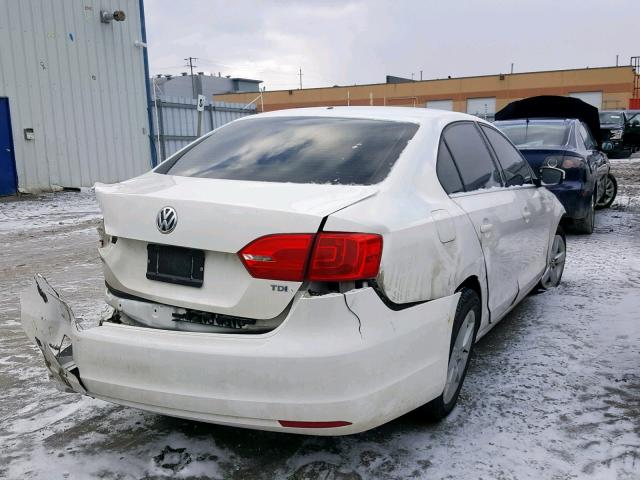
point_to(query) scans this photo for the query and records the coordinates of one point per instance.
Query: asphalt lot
(553, 392)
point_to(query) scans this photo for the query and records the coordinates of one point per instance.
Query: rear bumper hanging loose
(50, 324)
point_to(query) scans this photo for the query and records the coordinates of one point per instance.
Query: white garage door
(482, 107)
(592, 98)
(441, 104)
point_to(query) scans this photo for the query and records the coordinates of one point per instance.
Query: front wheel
(463, 336)
(610, 192)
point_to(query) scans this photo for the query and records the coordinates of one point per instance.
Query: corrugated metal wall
(80, 84)
(176, 121)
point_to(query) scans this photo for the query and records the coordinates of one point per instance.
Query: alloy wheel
(556, 263)
(610, 191)
(459, 356)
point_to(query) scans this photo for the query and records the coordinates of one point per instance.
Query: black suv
(620, 129)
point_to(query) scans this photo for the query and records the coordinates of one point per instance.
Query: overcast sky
(352, 42)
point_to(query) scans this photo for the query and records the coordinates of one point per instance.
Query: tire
(463, 337)
(585, 225)
(610, 192)
(555, 263)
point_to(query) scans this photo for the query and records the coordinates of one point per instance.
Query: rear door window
(515, 167)
(325, 150)
(472, 157)
(447, 171)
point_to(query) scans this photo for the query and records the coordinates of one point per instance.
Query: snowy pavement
(553, 391)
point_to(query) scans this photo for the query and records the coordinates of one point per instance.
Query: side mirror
(551, 176)
(636, 123)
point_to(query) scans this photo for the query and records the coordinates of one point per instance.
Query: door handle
(8, 149)
(486, 227)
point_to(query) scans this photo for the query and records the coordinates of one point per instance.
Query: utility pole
(511, 67)
(420, 75)
(191, 67)
(300, 75)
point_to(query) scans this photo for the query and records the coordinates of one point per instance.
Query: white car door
(493, 210)
(534, 207)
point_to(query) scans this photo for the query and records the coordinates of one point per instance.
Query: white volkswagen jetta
(317, 271)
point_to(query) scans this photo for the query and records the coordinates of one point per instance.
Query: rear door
(534, 208)
(493, 210)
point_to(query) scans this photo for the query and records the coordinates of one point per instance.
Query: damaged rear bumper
(343, 362)
(49, 323)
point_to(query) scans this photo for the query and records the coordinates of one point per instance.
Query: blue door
(8, 184)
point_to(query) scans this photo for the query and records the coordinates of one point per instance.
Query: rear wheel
(586, 224)
(610, 192)
(555, 264)
(463, 336)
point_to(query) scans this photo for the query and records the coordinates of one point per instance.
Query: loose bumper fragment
(50, 324)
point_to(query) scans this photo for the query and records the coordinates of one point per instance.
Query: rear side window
(515, 168)
(470, 154)
(447, 171)
(298, 150)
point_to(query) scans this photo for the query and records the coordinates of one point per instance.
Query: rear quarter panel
(420, 260)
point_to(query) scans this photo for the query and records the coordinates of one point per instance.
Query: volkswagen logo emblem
(167, 220)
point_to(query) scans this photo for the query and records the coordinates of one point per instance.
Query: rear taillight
(564, 162)
(326, 257)
(278, 257)
(345, 256)
(572, 162)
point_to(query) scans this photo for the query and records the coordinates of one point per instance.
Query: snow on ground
(553, 392)
(48, 211)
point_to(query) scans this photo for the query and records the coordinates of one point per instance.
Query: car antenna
(526, 132)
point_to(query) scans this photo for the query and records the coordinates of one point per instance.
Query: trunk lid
(536, 156)
(218, 217)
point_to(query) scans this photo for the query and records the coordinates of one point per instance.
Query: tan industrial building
(605, 88)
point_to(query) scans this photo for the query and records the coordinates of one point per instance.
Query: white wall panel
(592, 98)
(440, 104)
(80, 84)
(482, 107)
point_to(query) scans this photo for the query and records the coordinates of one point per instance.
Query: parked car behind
(557, 131)
(317, 271)
(621, 129)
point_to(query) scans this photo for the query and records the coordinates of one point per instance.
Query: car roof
(536, 119)
(398, 114)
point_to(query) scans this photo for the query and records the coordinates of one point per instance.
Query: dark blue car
(566, 143)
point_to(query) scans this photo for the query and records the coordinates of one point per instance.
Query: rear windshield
(297, 150)
(536, 134)
(611, 117)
